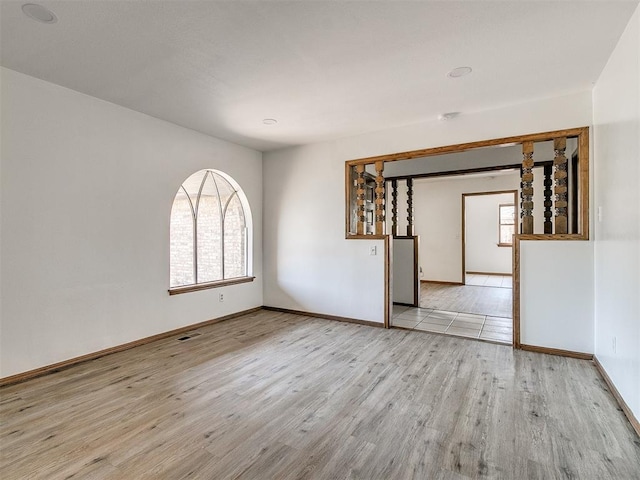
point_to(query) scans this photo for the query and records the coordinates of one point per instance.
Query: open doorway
(553, 198)
(447, 210)
(488, 226)
(478, 298)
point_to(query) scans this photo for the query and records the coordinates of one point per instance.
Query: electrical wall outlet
(221, 297)
(373, 250)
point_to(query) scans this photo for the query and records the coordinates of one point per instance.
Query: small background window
(507, 218)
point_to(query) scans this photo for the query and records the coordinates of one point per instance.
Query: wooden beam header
(462, 147)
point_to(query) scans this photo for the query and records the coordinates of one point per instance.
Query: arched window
(210, 233)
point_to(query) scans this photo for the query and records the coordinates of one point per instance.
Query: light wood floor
(279, 396)
(493, 301)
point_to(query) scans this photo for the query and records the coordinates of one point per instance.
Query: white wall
(478, 158)
(482, 234)
(438, 221)
(308, 263)
(87, 188)
(556, 292)
(311, 266)
(616, 119)
(404, 282)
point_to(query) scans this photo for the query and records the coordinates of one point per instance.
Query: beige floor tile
(470, 317)
(497, 329)
(498, 321)
(500, 337)
(463, 332)
(493, 281)
(404, 323)
(400, 309)
(469, 325)
(507, 282)
(442, 314)
(413, 314)
(438, 320)
(478, 280)
(500, 281)
(431, 327)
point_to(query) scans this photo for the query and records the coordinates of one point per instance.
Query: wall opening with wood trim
(553, 194)
(554, 173)
(487, 232)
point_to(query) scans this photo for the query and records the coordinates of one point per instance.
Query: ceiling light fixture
(269, 121)
(443, 117)
(39, 13)
(459, 72)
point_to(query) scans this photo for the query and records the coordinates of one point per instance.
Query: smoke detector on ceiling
(459, 72)
(39, 13)
(443, 117)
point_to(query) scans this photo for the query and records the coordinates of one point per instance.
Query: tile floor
(504, 281)
(495, 329)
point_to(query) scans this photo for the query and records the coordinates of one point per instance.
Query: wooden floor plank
(276, 395)
(494, 301)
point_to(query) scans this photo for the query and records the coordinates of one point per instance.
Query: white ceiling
(323, 69)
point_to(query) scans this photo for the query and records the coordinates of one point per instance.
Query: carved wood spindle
(380, 194)
(410, 228)
(560, 188)
(394, 207)
(360, 199)
(548, 203)
(526, 178)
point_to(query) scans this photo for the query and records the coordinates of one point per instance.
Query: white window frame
(248, 232)
(500, 224)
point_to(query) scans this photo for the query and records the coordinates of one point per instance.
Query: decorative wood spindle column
(394, 207)
(526, 179)
(548, 202)
(360, 199)
(560, 189)
(410, 229)
(379, 213)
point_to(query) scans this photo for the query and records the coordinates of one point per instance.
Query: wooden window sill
(208, 285)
